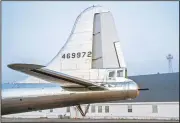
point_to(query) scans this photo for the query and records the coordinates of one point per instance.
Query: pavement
(77, 120)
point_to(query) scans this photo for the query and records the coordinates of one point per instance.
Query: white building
(160, 102)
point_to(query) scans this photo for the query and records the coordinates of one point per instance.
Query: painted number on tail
(77, 55)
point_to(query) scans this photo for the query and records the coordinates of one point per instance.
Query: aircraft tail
(92, 44)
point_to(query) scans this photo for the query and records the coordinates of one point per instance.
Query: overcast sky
(34, 32)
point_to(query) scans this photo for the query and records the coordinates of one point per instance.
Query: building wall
(165, 110)
(141, 110)
(56, 113)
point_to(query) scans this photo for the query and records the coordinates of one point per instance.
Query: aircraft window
(93, 109)
(68, 109)
(111, 74)
(119, 73)
(129, 108)
(154, 109)
(106, 109)
(99, 109)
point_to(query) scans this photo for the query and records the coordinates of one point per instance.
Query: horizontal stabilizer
(55, 77)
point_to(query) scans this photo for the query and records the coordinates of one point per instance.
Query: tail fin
(91, 44)
(77, 51)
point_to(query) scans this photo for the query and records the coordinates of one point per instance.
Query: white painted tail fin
(77, 51)
(91, 44)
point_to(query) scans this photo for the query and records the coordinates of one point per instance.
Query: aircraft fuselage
(20, 99)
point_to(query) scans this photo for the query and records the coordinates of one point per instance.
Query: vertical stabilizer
(92, 46)
(77, 51)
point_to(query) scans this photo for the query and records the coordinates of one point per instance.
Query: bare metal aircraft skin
(96, 93)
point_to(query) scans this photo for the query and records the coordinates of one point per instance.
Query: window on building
(106, 109)
(93, 109)
(129, 108)
(51, 110)
(68, 109)
(111, 74)
(120, 73)
(154, 109)
(99, 109)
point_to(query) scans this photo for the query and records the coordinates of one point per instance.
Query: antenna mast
(169, 57)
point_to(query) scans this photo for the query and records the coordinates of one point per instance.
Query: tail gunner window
(111, 74)
(119, 73)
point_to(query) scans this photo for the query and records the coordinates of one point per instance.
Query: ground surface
(77, 120)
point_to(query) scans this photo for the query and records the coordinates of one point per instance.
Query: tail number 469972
(77, 55)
